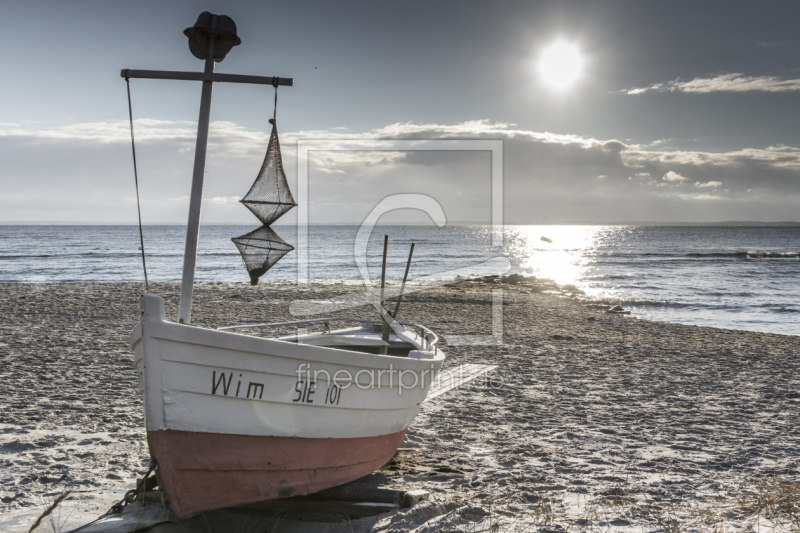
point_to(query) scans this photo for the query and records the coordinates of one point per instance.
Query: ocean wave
(656, 254)
(780, 309)
(776, 308)
(672, 304)
(110, 255)
(725, 294)
(657, 303)
(750, 254)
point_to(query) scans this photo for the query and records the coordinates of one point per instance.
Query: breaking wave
(749, 255)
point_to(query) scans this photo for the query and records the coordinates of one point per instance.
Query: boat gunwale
(430, 348)
(318, 354)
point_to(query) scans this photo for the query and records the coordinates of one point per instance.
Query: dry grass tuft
(773, 499)
(47, 512)
(776, 500)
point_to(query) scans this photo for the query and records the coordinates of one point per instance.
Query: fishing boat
(234, 418)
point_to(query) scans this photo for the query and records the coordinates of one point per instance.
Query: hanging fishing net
(269, 197)
(260, 249)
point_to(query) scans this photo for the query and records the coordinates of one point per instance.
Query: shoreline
(596, 410)
(551, 288)
(744, 279)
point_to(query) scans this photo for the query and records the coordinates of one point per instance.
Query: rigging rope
(136, 179)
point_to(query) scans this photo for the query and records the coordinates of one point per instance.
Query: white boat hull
(214, 392)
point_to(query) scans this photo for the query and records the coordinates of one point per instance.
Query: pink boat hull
(203, 471)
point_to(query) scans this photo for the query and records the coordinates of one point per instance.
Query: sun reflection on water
(568, 259)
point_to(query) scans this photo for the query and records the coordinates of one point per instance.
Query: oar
(385, 345)
(385, 337)
(403, 286)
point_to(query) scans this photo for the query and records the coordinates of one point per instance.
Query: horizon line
(453, 223)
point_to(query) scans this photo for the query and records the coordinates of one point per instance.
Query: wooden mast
(196, 198)
(210, 39)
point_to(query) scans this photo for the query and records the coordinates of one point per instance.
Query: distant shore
(601, 420)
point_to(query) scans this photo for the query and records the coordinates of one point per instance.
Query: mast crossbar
(204, 76)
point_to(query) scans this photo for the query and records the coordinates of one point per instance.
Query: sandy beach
(596, 421)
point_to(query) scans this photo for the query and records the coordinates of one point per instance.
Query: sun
(560, 65)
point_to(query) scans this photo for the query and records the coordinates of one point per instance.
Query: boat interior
(366, 338)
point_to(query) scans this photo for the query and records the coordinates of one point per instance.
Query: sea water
(732, 277)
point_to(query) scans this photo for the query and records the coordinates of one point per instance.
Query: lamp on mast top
(219, 28)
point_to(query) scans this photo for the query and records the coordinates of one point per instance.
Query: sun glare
(561, 64)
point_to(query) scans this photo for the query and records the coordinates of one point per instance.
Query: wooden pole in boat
(195, 200)
(385, 345)
(385, 337)
(403, 286)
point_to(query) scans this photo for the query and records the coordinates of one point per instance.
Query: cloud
(673, 176)
(775, 157)
(700, 196)
(735, 82)
(83, 172)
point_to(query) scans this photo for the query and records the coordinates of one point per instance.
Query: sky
(679, 111)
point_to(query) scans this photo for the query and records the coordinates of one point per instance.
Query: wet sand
(599, 420)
